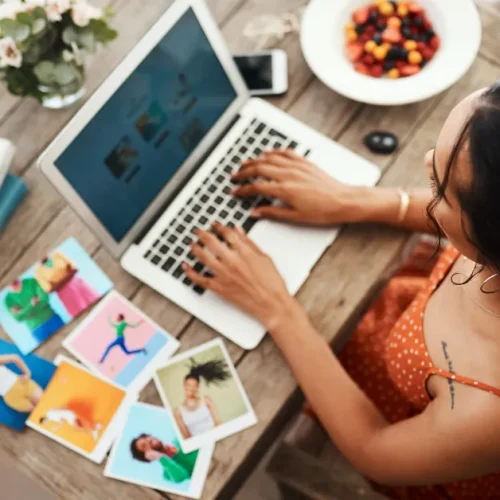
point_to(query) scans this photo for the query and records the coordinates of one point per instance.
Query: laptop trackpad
(294, 249)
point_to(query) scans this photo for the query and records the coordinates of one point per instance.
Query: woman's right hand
(309, 194)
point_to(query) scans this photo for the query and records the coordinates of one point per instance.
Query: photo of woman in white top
(19, 392)
(198, 414)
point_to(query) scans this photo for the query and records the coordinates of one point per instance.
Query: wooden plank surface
(339, 288)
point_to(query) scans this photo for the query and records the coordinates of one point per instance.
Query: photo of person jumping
(120, 326)
(198, 414)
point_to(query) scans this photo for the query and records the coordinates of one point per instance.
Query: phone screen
(257, 71)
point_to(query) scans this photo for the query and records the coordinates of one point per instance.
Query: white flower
(10, 55)
(55, 9)
(82, 13)
(35, 3)
(10, 9)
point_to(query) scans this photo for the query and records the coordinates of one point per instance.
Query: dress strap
(464, 380)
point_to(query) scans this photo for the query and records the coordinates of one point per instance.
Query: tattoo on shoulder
(451, 385)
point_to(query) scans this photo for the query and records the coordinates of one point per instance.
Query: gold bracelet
(404, 204)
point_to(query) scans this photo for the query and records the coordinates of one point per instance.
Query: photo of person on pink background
(121, 343)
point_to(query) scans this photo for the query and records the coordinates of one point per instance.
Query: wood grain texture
(338, 290)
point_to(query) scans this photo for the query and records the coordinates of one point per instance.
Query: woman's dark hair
(136, 453)
(212, 372)
(479, 200)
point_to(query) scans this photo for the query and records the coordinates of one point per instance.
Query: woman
(19, 392)
(419, 403)
(58, 274)
(197, 414)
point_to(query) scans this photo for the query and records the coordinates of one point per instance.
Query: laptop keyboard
(212, 201)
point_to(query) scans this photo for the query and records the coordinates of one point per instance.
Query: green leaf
(32, 54)
(38, 26)
(45, 71)
(103, 33)
(87, 40)
(65, 73)
(70, 35)
(18, 31)
(25, 18)
(39, 13)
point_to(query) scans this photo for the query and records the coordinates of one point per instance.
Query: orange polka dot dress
(388, 359)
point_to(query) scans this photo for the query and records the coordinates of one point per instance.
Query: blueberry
(430, 33)
(421, 37)
(377, 38)
(373, 17)
(418, 22)
(360, 29)
(394, 53)
(405, 22)
(388, 65)
(403, 53)
(423, 63)
(381, 27)
(394, 4)
(407, 33)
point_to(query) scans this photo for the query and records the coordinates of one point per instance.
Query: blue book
(12, 192)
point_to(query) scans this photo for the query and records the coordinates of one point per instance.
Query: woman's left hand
(242, 274)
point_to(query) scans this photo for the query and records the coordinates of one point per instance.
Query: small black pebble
(381, 142)
(360, 29)
(377, 38)
(388, 65)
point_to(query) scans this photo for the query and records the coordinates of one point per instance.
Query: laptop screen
(133, 146)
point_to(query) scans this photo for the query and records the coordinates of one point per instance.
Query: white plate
(323, 41)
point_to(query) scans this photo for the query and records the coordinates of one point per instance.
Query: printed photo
(50, 294)
(204, 395)
(121, 343)
(147, 452)
(80, 410)
(122, 157)
(149, 123)
(22, 382)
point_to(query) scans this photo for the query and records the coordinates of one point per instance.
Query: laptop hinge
(162, 209)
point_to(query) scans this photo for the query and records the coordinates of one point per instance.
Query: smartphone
(265, 73)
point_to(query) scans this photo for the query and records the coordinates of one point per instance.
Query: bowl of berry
(390, 52)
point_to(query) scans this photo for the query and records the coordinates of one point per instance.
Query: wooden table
(337, 292)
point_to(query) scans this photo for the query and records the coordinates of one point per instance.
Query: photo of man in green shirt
(177, 466)
(28, 304)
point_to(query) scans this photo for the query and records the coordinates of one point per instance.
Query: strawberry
(391, 35)
(360, 16)
(427, 53)
(368, 59)
(376, 71)
(400, 64)
(414, 30)
(435, 43)
(354, 51)
(361, 68)
(427, 23)
(414, 8)
(364, 37)
(410, 70)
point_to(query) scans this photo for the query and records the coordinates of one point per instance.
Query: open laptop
(149, 158)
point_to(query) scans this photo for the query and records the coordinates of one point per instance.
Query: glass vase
(56, 96)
